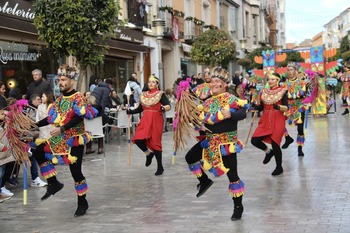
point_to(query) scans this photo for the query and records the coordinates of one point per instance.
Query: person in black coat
(101, 93)
(39, 86)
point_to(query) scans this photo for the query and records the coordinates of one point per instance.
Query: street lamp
(159, 24)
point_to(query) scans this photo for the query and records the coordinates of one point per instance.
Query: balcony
(168, 32)
(190, 39)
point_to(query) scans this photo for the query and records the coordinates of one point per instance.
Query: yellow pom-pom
(83, 111)
(39, 141)
(224, 169)
(241, 103)
(206, 165)
(58, 119)
(54, 160)
(220, 116)
(201, 116)
(72, 159)
(232, 148)
(299, 121)
(210, 122)
(200, 107)
(81, 140)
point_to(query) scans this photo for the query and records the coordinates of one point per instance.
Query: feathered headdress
(67, 71)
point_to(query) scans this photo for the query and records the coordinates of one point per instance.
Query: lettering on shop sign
(14, 9)
(125, 37)
(17, 56)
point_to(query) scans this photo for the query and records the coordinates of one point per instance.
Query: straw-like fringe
(18, 125)
(186, 119)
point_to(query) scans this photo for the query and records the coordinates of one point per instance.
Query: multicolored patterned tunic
(296, 94)
(218, 144)
(62, 111)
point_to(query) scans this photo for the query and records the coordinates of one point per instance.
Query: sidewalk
(312, 195)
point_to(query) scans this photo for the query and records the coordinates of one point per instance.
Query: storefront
(20, 50)
(123, 58)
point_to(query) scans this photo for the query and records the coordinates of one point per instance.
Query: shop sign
(129, 35)
(19, 9)
(17, 54)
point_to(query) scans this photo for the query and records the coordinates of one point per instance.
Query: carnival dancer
(345, 89)
(296, 85)
(273, 101)
(217, 150)
(148, 135)
(66, 144)
(255, 84)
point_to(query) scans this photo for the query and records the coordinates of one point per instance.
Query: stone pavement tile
(310, 196)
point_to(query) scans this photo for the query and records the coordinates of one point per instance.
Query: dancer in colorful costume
(296, 85)
(345, 89)
(216, 152)
(273, 101)
(66, 144)
(148, 135)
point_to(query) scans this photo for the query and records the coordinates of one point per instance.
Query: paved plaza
(312, 195)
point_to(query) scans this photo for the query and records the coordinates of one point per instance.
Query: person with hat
(274, 102)
(67, 140)
(296, 84)
(217, 150)
(345, 89)
(148, 135)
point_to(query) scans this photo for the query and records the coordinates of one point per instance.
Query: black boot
(160, 168)
(83, 206)
(289, 140)
(51, 189)
(268, 157)
(149, 159)
(300, 151)
(204, 184)
(277, 171)
(346, 112)
(238, 208)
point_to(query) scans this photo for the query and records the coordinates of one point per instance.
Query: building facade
(336, 29)
(136, 46)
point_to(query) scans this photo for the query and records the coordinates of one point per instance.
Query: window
(137, 12)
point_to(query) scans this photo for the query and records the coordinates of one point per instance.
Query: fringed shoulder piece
(186, 115)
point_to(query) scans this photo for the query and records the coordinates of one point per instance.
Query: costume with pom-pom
(296, 94)
(62, 111)
(67, 112)
(216, 151)
(219, 144)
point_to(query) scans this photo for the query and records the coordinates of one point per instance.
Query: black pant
(258, 142)
(195, 154)
(75, 168)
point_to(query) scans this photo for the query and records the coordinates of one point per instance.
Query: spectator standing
(38, 86)
(101, 94)
(137, 89)
(46, 99)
